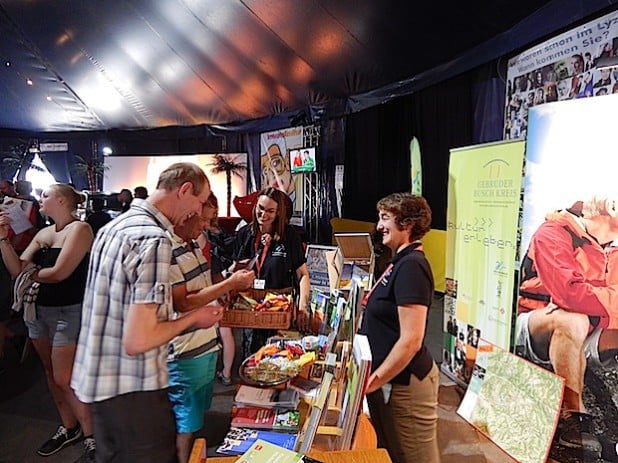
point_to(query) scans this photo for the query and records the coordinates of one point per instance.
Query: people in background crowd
(192, 358)
(56, 262)
(567, 318)
(140, 192)
(98, 217)
(128, 322)
(218, 246)
(125, 198)
(23, 188)
(279, 258)
(7, 189)
(402, 391)
(6, 282)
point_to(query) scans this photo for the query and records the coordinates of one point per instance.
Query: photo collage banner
(565, 67)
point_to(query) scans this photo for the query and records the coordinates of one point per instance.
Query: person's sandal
(224, 380)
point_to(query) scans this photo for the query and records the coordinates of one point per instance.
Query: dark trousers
(138, 427)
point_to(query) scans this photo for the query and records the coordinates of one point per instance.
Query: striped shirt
(129, 264)
(189, 266)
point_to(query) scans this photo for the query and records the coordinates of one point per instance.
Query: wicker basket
(259, 319)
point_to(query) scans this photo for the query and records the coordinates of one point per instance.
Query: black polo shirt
(408, 281)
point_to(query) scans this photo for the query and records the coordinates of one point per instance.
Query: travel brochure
(239, 440)
(265, 418)
(268, 398)
(265, 452)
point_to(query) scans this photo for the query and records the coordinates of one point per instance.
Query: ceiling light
(29, 82)
(107, 150)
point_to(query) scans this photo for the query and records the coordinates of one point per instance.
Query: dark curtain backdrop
(58, 165)
(377, 157)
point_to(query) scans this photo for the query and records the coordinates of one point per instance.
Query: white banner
(563, 68)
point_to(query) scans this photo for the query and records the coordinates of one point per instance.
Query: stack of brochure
(267, 398)
(274, 419)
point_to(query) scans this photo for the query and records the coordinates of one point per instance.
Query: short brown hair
(180, 172)
(408, 209)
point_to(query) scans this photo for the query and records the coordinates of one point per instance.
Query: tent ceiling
(127, 64)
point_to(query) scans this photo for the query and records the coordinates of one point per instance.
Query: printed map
(513, 402)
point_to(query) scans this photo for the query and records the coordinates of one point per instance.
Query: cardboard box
(354, 258)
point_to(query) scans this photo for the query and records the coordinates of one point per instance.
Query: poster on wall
(513, 402)
(276, 170)
(569, 267)
(131, 171)
(565, 67)
(481, 238)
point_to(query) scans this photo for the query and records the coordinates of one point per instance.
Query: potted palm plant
(93, 168)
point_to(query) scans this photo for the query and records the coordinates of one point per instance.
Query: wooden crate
(235, 318)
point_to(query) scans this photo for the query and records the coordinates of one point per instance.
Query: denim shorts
(60, 324)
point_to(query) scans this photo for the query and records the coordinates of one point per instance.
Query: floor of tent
(28, 416)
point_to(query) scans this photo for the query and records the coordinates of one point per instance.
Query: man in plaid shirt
(120, 365)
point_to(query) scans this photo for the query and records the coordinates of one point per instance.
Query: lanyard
(417, 247)
(387, 271)
(260, 261)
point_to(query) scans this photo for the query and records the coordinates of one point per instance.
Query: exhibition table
(340, 456)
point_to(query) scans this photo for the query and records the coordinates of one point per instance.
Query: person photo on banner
(568, 309)
(276, 171)
(576, 65)
(298, 162)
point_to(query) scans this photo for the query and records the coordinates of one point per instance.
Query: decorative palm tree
(19, 158)
(92, 168)
(230, 165)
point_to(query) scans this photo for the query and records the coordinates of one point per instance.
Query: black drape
(377, 158)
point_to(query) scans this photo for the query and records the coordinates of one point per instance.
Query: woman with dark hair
(402, 391)
(57, 261)
(280, 257)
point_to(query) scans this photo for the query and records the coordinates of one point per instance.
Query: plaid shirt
(189, 267)
(129, 264)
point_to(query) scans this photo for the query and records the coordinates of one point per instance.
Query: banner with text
(569, 66)
(481, 240)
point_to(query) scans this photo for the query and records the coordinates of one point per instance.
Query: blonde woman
(60, 253)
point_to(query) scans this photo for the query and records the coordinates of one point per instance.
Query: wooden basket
(257, 319)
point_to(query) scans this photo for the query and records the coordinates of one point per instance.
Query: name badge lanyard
(375, 285)
(260, 257)
(418, 247)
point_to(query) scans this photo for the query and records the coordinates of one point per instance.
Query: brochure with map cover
(513, 402)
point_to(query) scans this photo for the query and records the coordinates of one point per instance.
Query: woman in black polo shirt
(280, 257)
(402, 391)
